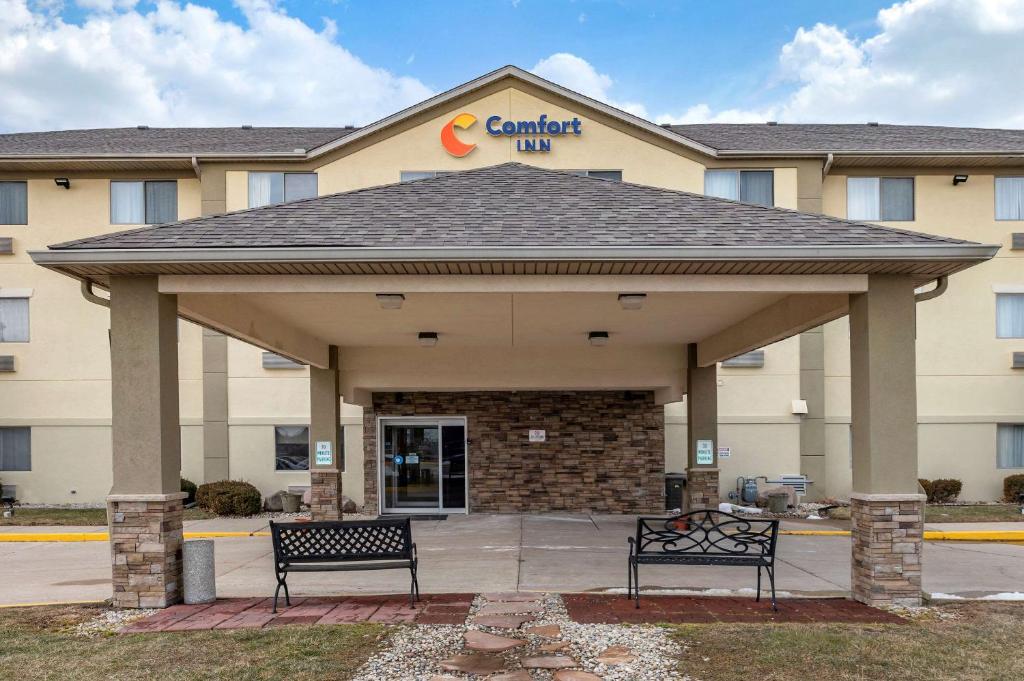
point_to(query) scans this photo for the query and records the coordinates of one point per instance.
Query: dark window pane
(299, 186)
(897, 198)
(161, 202)
(15, 449)
(453, 466)
(291, 448)
(606, 174)
(757, 186)
(13, 203)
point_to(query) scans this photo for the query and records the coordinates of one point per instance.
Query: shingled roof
(509, 205)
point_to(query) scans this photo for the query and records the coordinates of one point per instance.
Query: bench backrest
(711, 533)
(342, 540)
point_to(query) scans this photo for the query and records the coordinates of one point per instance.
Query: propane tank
(749, 495)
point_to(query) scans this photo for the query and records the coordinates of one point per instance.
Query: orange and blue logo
(452, 144)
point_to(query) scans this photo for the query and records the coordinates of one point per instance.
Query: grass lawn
(978, 644)
(987, 513)
(40, 643)
(76, 516)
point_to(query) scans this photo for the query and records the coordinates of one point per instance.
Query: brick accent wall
(887, 543)
(702, 489)
(604, 453)
(325, 494)
(145, 540)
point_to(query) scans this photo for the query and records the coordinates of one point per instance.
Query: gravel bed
(110, 621)
(412, 653)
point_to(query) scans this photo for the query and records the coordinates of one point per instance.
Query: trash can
(675, 483)
(290, 502)
(200, 583)
(778, 502)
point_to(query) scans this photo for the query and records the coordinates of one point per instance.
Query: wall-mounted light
(632, 301)
(957, 179)
(428, 339)
(390, 301)
(598, 338)
(62, 182)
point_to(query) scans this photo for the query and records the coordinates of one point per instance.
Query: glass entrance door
(423, 465)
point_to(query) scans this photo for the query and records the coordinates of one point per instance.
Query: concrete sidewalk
(486, 553)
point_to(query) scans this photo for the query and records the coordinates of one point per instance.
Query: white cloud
(184, 65)
(578, 74)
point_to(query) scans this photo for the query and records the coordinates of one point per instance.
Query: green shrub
(229, 497)
(944, 490)
(1013, 487)
(190, 488)
(926, 485)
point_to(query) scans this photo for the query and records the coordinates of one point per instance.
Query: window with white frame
(13, 203)
(269, 188)
(15, 448)
(882, 199)
(410, 175)
(1010, 315)
(601, 174)
(291, 448)
(143, 202)
(749, 186)
(1010, 198)
(14, 320)
(1010, 445)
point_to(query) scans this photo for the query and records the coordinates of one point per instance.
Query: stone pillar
(701, 427)
(325, 426)
(144, 508)
(887, 511)
(215, 407)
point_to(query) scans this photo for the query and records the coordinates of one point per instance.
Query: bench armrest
(632, 545)
(414, 550)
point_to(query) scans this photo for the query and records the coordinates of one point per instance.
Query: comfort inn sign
(530, 135)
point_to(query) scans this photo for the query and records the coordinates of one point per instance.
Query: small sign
(538, 436)
(324, 455)
(412, 458)
(705, 452)
(399, 459)
(724, 452)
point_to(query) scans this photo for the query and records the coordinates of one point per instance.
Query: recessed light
(598, 338)
(390, 301)
(428, 339)
(632, 301)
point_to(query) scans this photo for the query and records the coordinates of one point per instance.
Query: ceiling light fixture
(428, 339)
(390, 301)
(632, 301)
(62, 182)
(598, 338)
(957, 179)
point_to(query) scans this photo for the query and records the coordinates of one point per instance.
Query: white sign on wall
(724, 452)
(324, 455)
(538, 436)
(705, 452)
(412, 458)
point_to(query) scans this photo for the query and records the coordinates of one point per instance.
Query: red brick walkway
(607, 609)
(255, 613)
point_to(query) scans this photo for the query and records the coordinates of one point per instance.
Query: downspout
(88, 294)
(941, 284)
(196, 169)
(829, 158)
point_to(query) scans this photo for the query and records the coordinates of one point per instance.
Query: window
(143, 203)
(269, 188)
(1010, 315)
(16, 449)
(753, 360)
(602, 174)
(291, 448)
(1010, 446)
(880, 198)
(13, 320)
(410, 175)
(13, 203)
(749, 186)
(1010, 198)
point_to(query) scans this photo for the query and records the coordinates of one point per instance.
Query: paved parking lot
(487, 553)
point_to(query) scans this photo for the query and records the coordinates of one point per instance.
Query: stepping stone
(547, 630)
(573, 675)
(510, 608)
(489, 643)
(503, 621)
(514, 597)
(554, 646)
(613, 655)
(518, 675)
(435, 677)
(548, 662)
(473, 664)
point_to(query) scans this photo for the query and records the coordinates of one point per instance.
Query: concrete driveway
(487, 553)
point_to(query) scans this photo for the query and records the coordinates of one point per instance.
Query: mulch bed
(255, 613)
(612, 609)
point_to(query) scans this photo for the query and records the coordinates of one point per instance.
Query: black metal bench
(703, 538)
(341, 546)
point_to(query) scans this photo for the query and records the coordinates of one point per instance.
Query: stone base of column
(325, 494)
(145, 542)
(887, 542)
(702, 489)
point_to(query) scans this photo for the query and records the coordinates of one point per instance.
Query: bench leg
(629, 579)
(771, 579)
(414, 587)
(280, 583)
(758, 599)
(636, 583)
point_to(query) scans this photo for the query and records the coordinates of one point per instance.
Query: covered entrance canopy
(519, 272)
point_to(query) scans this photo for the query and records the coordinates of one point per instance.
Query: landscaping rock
(548, 662)
(547, 630)
(613, 655)
(573, 675)
(503, 621)
(489, 643)
(472, 664)
(554, 646)
(511, 608)
(518, 675)
(273, 503)
(514, 597)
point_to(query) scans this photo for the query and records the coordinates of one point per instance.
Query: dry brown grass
(41, 643)
(76, 516)
(980, 644)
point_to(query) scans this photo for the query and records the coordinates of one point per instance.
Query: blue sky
(108, 63)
